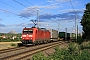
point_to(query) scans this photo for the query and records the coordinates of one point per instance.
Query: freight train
(41, 35)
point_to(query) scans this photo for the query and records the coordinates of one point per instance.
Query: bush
(74, 48)
(39, 56)
(80, 40)
(85, 55)
(72, 53)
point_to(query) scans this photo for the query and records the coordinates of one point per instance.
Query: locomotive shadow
(20, 44)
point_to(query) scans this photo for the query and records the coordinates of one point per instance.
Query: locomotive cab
(27, 35)
(35, 36)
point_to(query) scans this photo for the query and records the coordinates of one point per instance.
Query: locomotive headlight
(23, 35)
(30, 35)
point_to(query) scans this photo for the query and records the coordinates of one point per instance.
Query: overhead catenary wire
(35, 6)
(28, 2)
(38, 8)
(37, 12)
(20, 3)
(33, 11)
(75, 20)
(28, 6)
(73, 8)
(8, 11)
(9, 5)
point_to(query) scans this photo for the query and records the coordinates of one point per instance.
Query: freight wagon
(72, 36)
(53, 35)
(62, 35)
(66, 36)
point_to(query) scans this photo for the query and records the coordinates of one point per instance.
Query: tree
(85, 22)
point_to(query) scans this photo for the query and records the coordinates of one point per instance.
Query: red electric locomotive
(35, 35)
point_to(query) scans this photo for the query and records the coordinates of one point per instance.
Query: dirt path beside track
(6, 45)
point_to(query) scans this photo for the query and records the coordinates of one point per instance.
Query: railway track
(11, 49)
(24, 53)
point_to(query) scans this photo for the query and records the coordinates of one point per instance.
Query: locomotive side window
(27, 31)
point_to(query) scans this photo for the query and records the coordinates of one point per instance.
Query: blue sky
(16, 14)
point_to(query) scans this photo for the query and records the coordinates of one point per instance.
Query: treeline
(9, 37)
(85, 22)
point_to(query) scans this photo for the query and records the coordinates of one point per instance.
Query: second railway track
(25, 53)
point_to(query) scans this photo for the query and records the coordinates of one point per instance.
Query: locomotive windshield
(27, 31)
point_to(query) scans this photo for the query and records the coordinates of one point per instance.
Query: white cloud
(32, 10)
(28, 12)
(58, 1)
(19, 25)
(62, 0)
(2, 25)
(2, 28)
(52, 6)
(71, 10)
